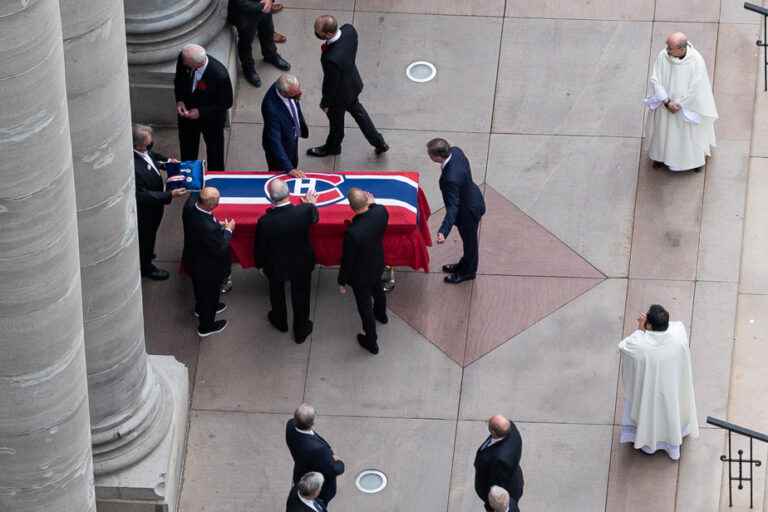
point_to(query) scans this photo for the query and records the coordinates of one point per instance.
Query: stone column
(132, 398)
(157, 30)
(45, 445)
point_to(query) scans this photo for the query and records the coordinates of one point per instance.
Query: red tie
(323, 47)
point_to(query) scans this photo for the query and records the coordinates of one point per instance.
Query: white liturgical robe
(681, 140)
(659, 403)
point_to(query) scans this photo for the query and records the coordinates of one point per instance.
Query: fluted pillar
(45, 445)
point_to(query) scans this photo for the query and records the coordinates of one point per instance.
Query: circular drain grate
(371, 481)
(421, 71)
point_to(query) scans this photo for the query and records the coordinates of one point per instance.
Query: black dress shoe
(217, 326)
(157, 274)
(451, 268)
(458, 278)
(279, 62)
(280, 327)
(658, 165)
(220, 308)
(697, 169)
(371, 347)
(381, 149)
(301, 338)
(252, 77)
(321, 151)
(382, 319)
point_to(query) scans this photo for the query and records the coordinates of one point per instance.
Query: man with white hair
(304, 496)
(282, 248)
(683, 111)
(283, 125)
(498, 499)
(203, 96)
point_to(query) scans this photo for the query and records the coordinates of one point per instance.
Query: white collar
(309, 432)
(287, 203)
(309, 503)
(335, 37)
(199, 71)
(445, 162)
(204, 211)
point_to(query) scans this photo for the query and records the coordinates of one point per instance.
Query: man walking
(341, 87)
(203, 96)
(498, 462)
(362, 263)
(283, 250)
(464, 206)
(283, 125)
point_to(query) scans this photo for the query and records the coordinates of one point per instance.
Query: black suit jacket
(281, 145)
(362, 259)
(499, 464)
(341, 80)
(151, 196)
(463, 199)
(241, 12)
(282, 245)
(212, 96)
(206, 243)
(295, 504)
(313, 453)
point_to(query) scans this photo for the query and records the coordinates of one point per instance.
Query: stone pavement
(581, 235)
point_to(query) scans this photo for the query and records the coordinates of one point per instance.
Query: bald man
(206, 257)
(203, 96)
(497, 462)
(362, 263)
(683, 112)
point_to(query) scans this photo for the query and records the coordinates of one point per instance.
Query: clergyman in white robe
(681, 139)
(659, 402)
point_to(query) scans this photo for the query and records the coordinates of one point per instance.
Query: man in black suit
(283, 250)
(304, 495)
(464, 206)
(341, 87)
(251, 17)
(206, 257)
(498, 461)
(283, 125)
(311, 452)
(151, 198)
(362, 263)
(203, 96)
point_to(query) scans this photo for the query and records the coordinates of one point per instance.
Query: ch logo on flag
(326, 185)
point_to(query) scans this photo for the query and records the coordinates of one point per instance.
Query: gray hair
(304, 417)
(277, 191)
(140, 134)
(286, 82)
(194, 53)
(310, 484)
(498, 498)
(439, 147)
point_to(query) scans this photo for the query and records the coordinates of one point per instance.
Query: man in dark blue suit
(464, 206)
(283, 125)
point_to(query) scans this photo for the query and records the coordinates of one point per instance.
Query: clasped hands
(182, 111)
(673, 106)
(228, 224)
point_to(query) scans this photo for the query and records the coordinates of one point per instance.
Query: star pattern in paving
(525, 274)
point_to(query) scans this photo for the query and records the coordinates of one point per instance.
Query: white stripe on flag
(388, 202)
(243, 200)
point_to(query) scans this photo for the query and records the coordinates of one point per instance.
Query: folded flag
(188, 174)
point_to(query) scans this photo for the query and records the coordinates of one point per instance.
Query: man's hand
(641, 321)
(369, 198)
(310, 197)
(335, 458)
(296, 173)
(673, 107)
(179, 192)
(323, 108)
(229, 224)
(193, 114)
(440, 238)
(342, 290)
(266, 6)
(173, 160)
(181, 109)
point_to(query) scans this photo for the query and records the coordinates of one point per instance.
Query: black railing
(740, 461)
(762, 43)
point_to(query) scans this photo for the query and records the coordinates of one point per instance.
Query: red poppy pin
(202, 86)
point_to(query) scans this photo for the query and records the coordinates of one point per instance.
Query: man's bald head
(193, 56)
(499, 426)
(358, 199)
(326, 26)
(209, 198)
(677, 43)
(278, 191)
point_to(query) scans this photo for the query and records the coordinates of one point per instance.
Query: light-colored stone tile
(551, 454)
(549, 85)
(701, 472)
(640, 482)
(408, 153)
(723, 212)
(735, 76)
(712, 338)
(759, 145)
(247, 153)
(582, 189)
(733, 11)
(667, 223)
(690, 10)
(330, 5)
(250, 366)
(455, 99)
(582, 9)
(754, 264)
(455, 7)
(410, 377)
(544, 372)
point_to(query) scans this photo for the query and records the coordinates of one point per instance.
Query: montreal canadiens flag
(244, 190)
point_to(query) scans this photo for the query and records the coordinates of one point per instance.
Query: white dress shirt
(148, 159)
(445, 162)
(309, 503)
(335, 37)
(198, 74)
(292, 107)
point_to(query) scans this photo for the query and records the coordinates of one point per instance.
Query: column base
(153, 484)
(151, 85)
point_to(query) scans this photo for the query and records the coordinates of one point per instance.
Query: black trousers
(207, 288)
(468, 233)
(148, 223)
(189, 142)
(247, 30)
(361, 117)
(301, 289)
(371, 302)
